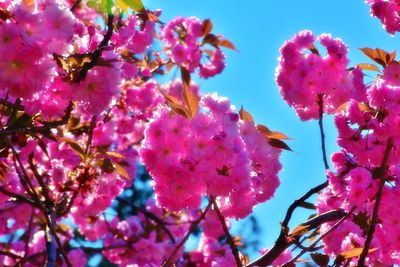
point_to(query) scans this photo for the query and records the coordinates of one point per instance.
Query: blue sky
(258, 29)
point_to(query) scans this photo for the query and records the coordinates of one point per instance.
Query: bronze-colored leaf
(279, 144)
(278, 135)
(314, 49)
(207, 27)
(211, 39)
(245, 115)
(180, 109)
(367, 66)
(264, 129)
(190, 99)
(378, 55)
(271, 134)
(320, 259)
(121, 170)
(355, 252)
(115, 154)
(226, 43)
(75, 146)
(363, 107)
(299, 231)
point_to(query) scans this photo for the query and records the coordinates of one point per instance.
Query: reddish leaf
(355, 252)
(226, 43)
(314, 49)
(320, 259)
(211, 39)
(279, 144)
(271, 134)
(190, 99)
(264, 129)
(121, 171)
(278, 135)
(367, 66)
(207, 27)
(244, 115)
(378, 55)
(75, 146)
(299, 231)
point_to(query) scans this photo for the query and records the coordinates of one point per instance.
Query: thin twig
(149, 215)
(18, 257)
(314, 244)
(97, 53)
(40, 129)
(282, 242)
(48, 213)
(90, 134)
(28, 233)
(371, 229)
(18, 197)
(75, 5)
(320, 102)
(193, 226)
(229, 238)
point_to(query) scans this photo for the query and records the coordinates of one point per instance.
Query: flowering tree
(86, 125)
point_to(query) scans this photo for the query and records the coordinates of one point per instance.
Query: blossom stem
(320, 102)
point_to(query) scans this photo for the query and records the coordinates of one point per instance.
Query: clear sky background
(258, 29)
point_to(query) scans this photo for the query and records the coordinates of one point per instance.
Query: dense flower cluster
(387, 12)
(303, 75)
(77, 101)
(215, 154)
(182, 38)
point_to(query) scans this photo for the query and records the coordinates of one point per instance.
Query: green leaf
(108, 6)
(135, 5)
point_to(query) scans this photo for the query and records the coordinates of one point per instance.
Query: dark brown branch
(17, 105)
(149, 215)
(48, 213)
(18, 197)
(320, 102)
(40, 129)
(17, 257)
(75, 5)
(282, 242)
(235, 251)
(28, 233)
(90, 136)
(97, 53)
(371, 229)
(169, 262)
(314, 244)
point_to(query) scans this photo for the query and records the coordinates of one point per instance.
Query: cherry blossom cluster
(183, 39)
(387, 12)
(215, 153)
(303, 75)
(79, 100)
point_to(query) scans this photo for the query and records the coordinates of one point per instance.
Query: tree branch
(320, 102)
(235, 251)
(149, 215)
(282, 242)
(168, 262)
(75, 5)
(314, 244)
(378, 197)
